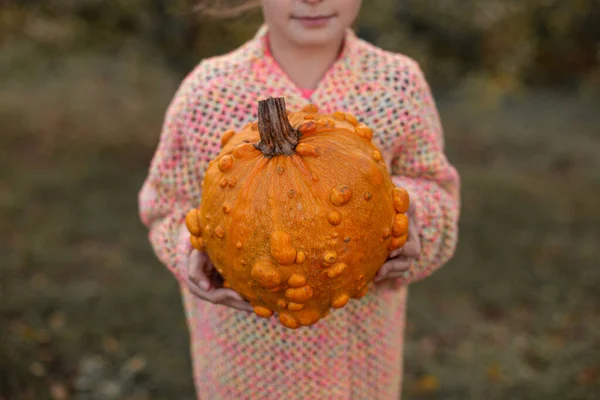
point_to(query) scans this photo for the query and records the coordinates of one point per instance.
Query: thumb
(199, 265)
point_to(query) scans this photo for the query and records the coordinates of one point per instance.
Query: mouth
(315, 20)
(312, 17)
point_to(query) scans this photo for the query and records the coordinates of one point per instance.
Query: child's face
(310, 22)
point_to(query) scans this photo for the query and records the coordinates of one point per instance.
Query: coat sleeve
(421, 167)
(172, 186)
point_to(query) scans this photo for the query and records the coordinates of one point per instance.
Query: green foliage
(518, 42)
(514, 42)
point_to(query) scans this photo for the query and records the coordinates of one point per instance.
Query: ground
(89, 313)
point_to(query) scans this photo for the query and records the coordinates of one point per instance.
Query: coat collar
(271, 75)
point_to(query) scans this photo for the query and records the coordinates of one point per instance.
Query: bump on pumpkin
(274, 257)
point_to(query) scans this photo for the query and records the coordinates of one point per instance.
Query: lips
(313, 18)
(316, 21)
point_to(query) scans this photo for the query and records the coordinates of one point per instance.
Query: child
(307, 53)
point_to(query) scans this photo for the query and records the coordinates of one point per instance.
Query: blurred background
(86, 310)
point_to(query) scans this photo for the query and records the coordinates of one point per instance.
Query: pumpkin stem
(277, 136)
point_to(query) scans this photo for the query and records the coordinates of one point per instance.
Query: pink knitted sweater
(356, 352)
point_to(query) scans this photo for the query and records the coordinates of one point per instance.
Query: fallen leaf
(57, 320)
(557, 339)
(110, 344)
(136, 364)
(427, 384)
(494, 373)
(38, 369)
(58, 391)
(588, 376)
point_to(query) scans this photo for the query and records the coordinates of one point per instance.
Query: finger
(197, 290)
(196, 270)
(240, 305)
(400, 264)
(198, 263)
(220, 295)
(416, 231)
(413, 216)
(382, 271)
(395, 253)
(226, 297)
(412, 248)
(412, 210)
(418, 245)
(395, 275)
(229, 298)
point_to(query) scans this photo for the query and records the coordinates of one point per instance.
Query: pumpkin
(298, 212)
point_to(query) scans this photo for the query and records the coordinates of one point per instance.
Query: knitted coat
(355, 352)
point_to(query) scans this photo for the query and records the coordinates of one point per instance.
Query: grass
(88, 312)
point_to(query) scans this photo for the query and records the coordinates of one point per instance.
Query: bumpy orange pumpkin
(298, 212)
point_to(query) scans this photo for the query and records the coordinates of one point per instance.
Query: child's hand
(205, 282)
(400, 260)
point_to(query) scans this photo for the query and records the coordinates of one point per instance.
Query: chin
(315, 37)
